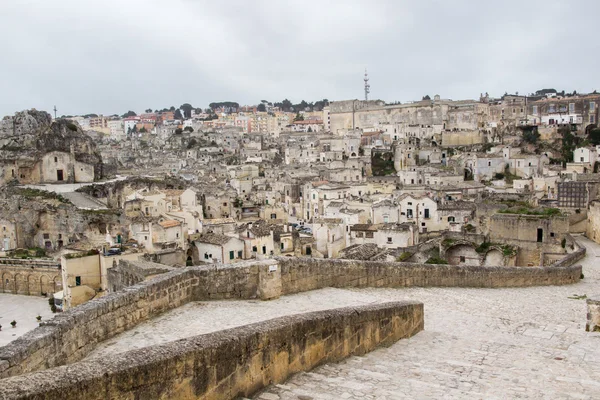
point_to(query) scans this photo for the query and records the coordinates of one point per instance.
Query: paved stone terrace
(477, 343)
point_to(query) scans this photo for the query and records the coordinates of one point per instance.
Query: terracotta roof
(169, 223)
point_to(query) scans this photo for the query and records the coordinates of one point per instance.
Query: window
(369, 235)
(254, 249)
(55, 159)
(427, 213)
(571, 108)
(46, 236)
(359, 234)
(409, 213)
(535, 110)
(551, 234)
(231, 254)
(273, 216)
(592, 119)
(281, 246)
(451, 219)
(264, 249)
(224, 204)
(462, 259)
(489, 163)
(551, 108)
(240, 254)
(313, 196)
(77, 281)
(389, 240)
(592, 106)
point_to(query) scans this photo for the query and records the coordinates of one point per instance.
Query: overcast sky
(111, 56)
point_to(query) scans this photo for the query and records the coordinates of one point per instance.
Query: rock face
(35, 149)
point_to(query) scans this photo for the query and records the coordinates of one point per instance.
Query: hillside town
(93, 205)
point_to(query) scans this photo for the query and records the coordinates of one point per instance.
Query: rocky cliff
(30, 134)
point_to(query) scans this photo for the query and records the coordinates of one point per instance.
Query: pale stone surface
(477, 343)
(24, 310)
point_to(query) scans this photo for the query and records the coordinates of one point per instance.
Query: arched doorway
(494, 258)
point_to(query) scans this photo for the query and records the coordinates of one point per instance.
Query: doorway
(540, 235)
(59, 175)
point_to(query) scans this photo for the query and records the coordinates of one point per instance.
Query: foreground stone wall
(299, 275)
(226, 364)
(71, 335)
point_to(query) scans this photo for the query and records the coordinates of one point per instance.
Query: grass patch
(578, 297)
(436, 260)
(92, 252)
(404, 256)
(545, 212)
(29, 193)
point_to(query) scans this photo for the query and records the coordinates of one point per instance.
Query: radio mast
(367, 86)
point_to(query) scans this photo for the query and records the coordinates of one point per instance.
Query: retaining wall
(226, 364)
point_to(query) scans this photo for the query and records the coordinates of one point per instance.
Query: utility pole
(54, 112)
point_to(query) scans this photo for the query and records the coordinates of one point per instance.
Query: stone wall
(228, 364)
(593, 314)
(29, 277)
(71, 335)
(300, 275)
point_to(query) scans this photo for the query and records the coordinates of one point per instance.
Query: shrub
(72, 126)
(563, 243)
(13, 323)
(39, 318)
(404, 256)
(436, 260)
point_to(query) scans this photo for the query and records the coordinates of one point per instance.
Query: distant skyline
(108, 57)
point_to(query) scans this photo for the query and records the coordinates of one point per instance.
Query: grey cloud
(111, 56)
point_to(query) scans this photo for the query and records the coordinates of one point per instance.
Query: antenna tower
(367, 86)
(54, 112)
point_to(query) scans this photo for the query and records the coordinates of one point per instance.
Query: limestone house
(527, 165)
(156, 234)
(422, 211)
(85, 276)
(385, 211)
(258, 239)
(220, 204)
(389, 236)
(8, 235)
(330, 236)
(273, 214)
(533, 234)
(584, 159)
(483, 166)
(222, 226)
(454, 215)
(217, 248)
(129, 273)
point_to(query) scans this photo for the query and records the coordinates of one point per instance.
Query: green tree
(298, 117)
(178, 114)
(426, 97)
(188, 129)
(531, 136)
(148, 110)
(261, 107)
(143, 130)
(129, 114)
(594, 136)
(187, 110)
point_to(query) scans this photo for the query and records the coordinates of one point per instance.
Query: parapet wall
(71, 335)
(299, 275)
(227, 364)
